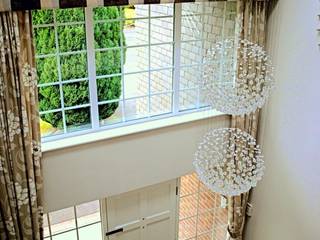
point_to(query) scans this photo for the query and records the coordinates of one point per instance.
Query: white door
(144, 214)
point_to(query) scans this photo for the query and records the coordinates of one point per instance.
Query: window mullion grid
(93, 92)
(198, 204)
(176, 56)
(76, 221)
(123, 106)
(59, 73)
(49, 226)
(203, 45)
(149, 60)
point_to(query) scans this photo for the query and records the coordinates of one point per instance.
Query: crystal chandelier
(238, 76)
(229, 161)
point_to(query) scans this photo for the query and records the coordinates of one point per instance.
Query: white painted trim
(126, 130)
(93, 91)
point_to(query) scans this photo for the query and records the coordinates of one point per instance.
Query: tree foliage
(71, 38)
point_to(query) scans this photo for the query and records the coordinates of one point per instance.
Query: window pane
(75, 94)
(207, 201)
(191, 27)
(72, 38)
(141, 11)
(188, 99)
(51, 124)
(189, 184)
(74, 66)
(161, 30)
(88, 213)
(191, 53)
(78, 119)
(161, 104)
(91, 232)
(136, 84)
(70, 15)
(220, 233)
(136, 59)
(46, 231)
(161, 56)
(107, 34)
(49, 98)
(161, 10)
(205, 222)
(209, 219)
(190, 77)
(137, 33)
(136, 108)
(206, 236)
(109, 88)
(230, 23)
(108, 62)
(188, 206)
(187, 228)
(66, 236)
(44, 40)
(110, 113)
(62, 220)
(161, 81)
(42, 17)
(47, 70)
(192, 8)
(203, 98)
(107, 13)
(221, 217)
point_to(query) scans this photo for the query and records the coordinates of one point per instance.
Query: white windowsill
(126, 130)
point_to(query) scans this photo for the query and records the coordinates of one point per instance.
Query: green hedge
(73, 38)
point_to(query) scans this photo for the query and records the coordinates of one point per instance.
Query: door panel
(144, 214)
(159, 230)
(134, 234)
(122, 209)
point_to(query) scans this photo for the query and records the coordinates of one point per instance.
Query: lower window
(147, 213)
(81, 222)
(202, 215)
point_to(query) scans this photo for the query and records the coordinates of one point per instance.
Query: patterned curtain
(252, 16)
(21, 194)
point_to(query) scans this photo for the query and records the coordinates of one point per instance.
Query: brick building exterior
(202, 24)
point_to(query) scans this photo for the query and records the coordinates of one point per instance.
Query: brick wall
(201, 216)
(202, 25)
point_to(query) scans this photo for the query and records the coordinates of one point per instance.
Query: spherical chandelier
(229, 161)
(238, 76)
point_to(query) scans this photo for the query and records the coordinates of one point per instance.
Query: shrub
(73, 38)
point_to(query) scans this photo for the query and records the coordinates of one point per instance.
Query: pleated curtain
(21, 192)
(21, 181)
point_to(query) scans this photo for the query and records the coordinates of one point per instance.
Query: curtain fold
(21, 193)
(252, 16)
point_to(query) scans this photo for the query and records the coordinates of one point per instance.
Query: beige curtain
(252, 14)
(20, 167)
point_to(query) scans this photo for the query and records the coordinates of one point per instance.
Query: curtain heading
(15, 5)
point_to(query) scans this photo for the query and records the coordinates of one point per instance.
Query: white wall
(96, 170)
(287, 201)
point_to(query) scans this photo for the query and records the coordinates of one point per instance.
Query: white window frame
(93, 98)
(77, 227)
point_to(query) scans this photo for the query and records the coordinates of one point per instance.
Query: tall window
(111, 66)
